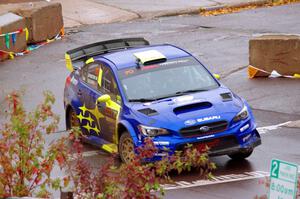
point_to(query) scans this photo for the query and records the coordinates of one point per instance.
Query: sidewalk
(84, 12)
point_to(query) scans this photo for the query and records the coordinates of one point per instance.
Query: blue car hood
(192, 109)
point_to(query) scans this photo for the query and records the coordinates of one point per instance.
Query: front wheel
(126, 148)
(241, 155)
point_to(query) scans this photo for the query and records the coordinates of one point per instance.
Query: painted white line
(91, 153)
(266, 129)
(88, 154)
(217, 180)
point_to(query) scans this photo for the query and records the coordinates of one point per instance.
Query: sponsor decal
(216, 117)
(185, 98)
(91, 118)
(203, 128)
(205, 137)
(174, 62)
(162, 143)
(150, 67)
(93, 77)
(246, 138)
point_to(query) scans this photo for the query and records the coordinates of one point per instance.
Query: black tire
(241, 155)
(126, 148)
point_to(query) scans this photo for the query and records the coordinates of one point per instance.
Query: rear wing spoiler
(76, 58)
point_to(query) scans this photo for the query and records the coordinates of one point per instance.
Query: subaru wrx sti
(120, 92)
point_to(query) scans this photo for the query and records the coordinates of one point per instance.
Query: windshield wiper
(190, 91)
(142, 100)
(181, 93)
(167, 96)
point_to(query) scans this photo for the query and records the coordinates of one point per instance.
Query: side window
(109, 85)
(90, 73)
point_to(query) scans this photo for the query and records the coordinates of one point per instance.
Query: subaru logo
(190, 122)
(204, 129)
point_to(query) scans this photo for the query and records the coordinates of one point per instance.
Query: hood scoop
(148, 111)
(192, 107)
(226, 97)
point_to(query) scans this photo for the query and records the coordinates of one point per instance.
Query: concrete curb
(170, 13)
(194, 11)
(235, 5)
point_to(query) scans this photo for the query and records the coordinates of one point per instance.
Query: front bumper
(235, 149)
(229, 142)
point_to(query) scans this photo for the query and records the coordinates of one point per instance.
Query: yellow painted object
(217, 76)
(296, 75)
(69, 62)
(149, 55)
(90, 60)
(113, 105)
(26, 33)
(116, 107)
(62, 31)
(111, 148)
(100, 77)
(11, 55)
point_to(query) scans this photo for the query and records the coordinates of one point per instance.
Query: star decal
(96, 130)
(90, 120)
(81, 117)
(96, 113)
(88, 127)
(84, 109)
(86, 114)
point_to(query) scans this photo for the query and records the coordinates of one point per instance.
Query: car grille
(204, 129)
(214, 144)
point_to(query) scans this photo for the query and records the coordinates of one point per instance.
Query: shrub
(137, 179)
(25, 162)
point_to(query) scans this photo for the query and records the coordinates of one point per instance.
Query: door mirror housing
(103, 98)
(217, 76)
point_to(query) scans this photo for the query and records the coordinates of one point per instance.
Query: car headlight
(243, 114)
(152, 131)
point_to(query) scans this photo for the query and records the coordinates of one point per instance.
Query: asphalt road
(221, 42)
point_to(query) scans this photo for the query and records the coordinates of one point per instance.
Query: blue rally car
(121, 91)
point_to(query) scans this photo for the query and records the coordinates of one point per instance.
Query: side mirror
(103, 98)
(217, 76)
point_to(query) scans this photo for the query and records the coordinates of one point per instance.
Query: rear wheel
(126, 148)
(72, 120)
(241, 155)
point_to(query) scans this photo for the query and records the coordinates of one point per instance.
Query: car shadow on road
(230, 166)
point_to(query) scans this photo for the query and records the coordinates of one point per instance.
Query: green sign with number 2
(284, 177)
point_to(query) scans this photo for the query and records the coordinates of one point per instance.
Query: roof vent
(149, 57)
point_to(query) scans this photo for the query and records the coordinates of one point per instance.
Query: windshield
(172, 78)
